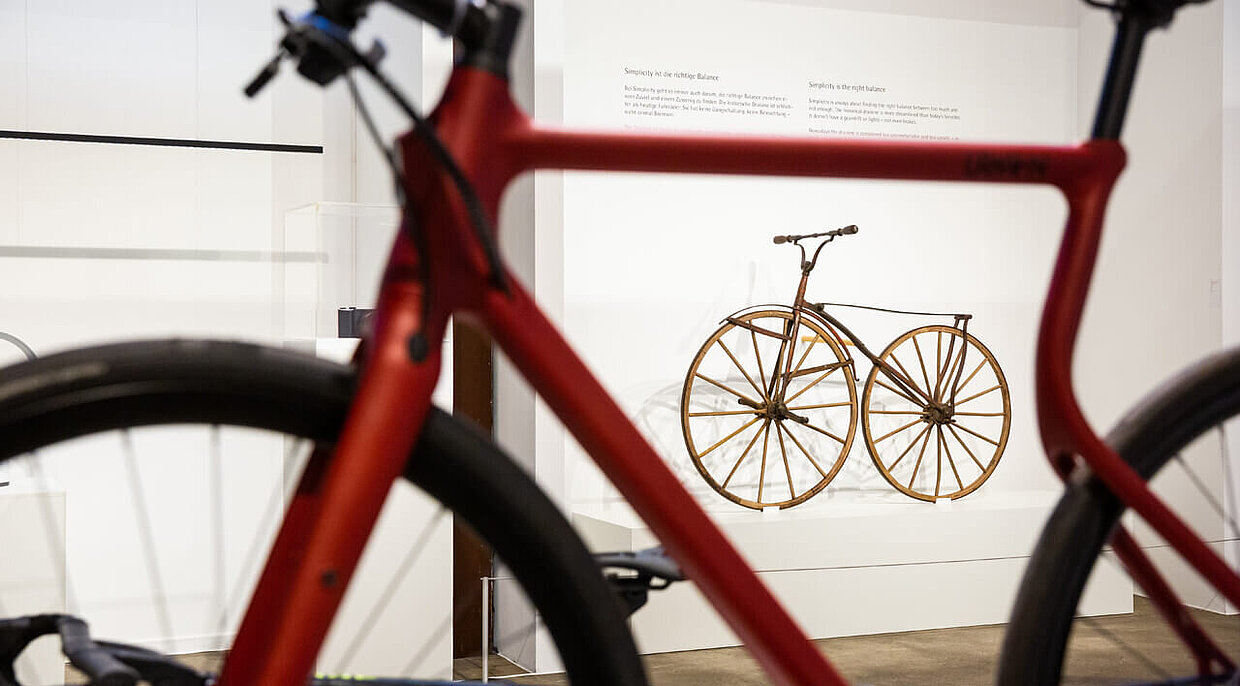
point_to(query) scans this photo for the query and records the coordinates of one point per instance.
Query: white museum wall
(1156, 303)
(195, 237)
(1231, 240)
(593, 229)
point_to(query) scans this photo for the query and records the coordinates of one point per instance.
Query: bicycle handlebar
(843, 231)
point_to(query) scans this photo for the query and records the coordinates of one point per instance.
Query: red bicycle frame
(339, 499)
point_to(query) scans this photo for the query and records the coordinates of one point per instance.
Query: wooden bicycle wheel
(939, 429)
(761, 432)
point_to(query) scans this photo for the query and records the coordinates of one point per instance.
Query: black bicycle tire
(1180, 410)
(227, 383)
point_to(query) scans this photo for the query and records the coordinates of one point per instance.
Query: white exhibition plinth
(847, 564)
(32, 575)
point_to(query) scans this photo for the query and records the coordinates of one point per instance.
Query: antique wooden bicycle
(368, 423)
(769, 406)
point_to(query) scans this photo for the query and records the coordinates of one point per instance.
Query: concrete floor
(941, 656)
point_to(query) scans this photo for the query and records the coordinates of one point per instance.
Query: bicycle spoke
(758, 355)
(903, 370)
(892, 466)
(294, 461)
(938, 474)
(889, 434)
(907, 412)
(741, 369)
(811, 384)
(920, 454)
(939, 388)
(952, 430)
(822, 406)
(384, 600)
(803, 450)
(979, 414)
(741, 459)
(804, 355)
(824, 432)
(922, 361)
(938, 360)
(729, 436)
(787, 469)
(159, 594)
(978, 395)
(974, 433)
(766, 439)
(727, 413)
(898, 392)
(734, 392)
(972, 374)
(1218, 507)
(951, 462)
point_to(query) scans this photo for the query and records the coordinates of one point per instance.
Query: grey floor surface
(1109, 650)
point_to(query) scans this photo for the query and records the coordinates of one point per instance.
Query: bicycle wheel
(945, 437)
(763, 434)
(258, 401)
(1170, 426)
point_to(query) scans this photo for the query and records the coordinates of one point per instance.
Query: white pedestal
(845, 566)
(32, 535)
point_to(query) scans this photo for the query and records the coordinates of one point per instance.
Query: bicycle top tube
(440, 266)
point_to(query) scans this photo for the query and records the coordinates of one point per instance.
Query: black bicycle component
(793, 238)
(105, 664)
(654, 571)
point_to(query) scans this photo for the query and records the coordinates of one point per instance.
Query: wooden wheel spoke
(938, 451)
(766, 440)
(889, 434)
(741, 459)
(729, 389)
(810, 385)
(980, 414)
(821, 407)
(824, 432)
(939, 387)
(976, 461)
(783, 450)
(922, 361)
(916, 412)
(972, 374)
(729, 437)
(974, 433)
(908, 378)
(803, 450)
(898, 392)
(947, 451)
(920, 454)
(723, 413)
(758, 355)
(741, 369)
(978, 395)
(892, 466)
(804, 355)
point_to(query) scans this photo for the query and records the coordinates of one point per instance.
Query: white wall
(173, 70)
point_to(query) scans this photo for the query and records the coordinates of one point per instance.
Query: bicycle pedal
(652, 570)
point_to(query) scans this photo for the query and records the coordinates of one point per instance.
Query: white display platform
(861, 564)
(33, 573)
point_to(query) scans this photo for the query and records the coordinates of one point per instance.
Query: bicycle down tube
(493, 142)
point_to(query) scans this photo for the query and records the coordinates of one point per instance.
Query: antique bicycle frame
(802, 307)
(338, 500)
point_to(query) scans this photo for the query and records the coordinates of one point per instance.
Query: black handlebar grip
(781, 239)
(849, 230)
(264, 77)
(95, 662)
